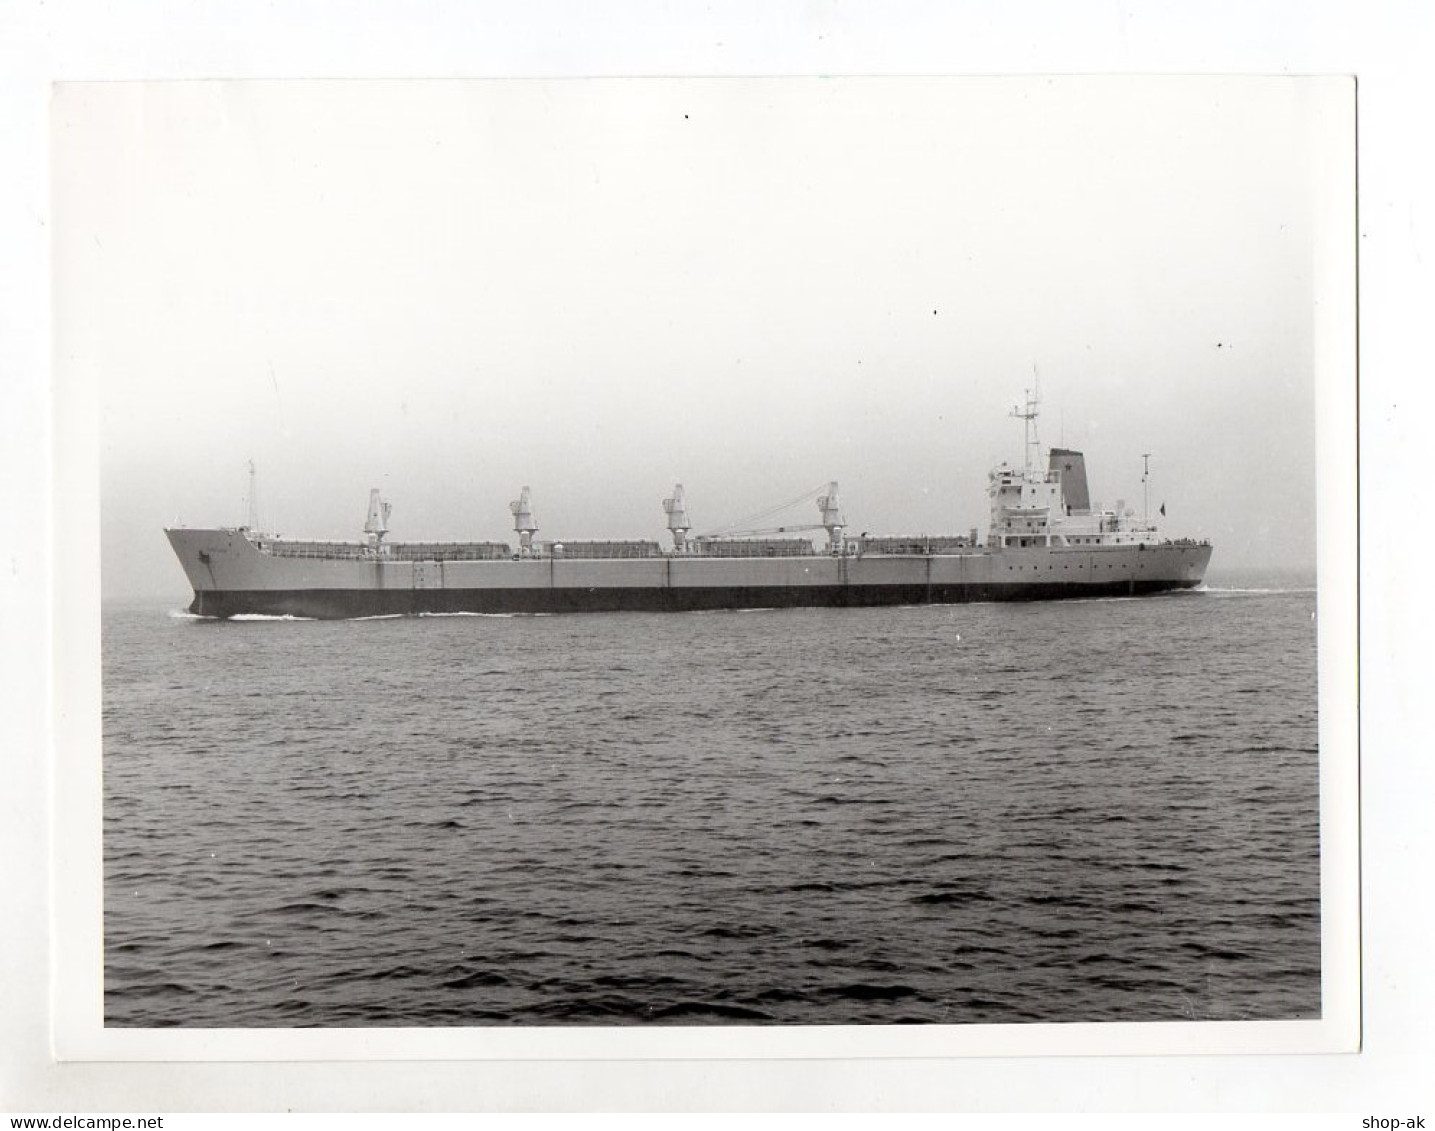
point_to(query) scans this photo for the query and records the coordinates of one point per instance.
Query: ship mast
(1145, 489)
(252, 519)
(1027, 415)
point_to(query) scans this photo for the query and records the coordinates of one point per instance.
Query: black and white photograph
(727, 558)
(706, 554)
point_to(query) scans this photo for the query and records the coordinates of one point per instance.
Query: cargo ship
(1046, 540)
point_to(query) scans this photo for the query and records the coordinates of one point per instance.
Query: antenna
(1145, 487)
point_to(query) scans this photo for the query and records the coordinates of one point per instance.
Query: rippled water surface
(1074, 811)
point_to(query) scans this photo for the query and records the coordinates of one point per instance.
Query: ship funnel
(832, 518)
(678, 523)
(1072, 466)
(524, 522)
(377, 524)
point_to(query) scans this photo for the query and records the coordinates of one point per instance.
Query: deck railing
(394, 552)
(916, 545)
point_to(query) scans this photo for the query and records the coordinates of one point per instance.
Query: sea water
(1086, 810)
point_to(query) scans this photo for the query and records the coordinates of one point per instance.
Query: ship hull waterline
(345, 604)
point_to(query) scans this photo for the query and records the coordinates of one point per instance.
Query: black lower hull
(339, 604)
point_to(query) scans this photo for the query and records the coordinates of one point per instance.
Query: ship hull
(232, 576)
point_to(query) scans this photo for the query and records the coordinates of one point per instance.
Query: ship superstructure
(1045, 540)
(1031, 506)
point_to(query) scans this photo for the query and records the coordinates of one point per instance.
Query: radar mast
(1027, 414)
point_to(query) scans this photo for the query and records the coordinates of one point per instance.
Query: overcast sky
(600, 288)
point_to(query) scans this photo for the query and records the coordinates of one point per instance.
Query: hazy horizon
(599, 288)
